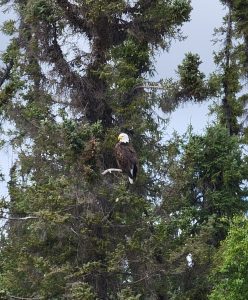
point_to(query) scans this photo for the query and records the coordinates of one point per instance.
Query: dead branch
(23, 298)
(20, 219)
(147, 86)
(156, 87)
(111, 170)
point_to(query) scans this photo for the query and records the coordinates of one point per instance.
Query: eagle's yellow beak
(119, 137)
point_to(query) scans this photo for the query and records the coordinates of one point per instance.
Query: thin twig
(74, 231)
(111, 170)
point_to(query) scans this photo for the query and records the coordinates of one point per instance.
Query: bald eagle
(126, 157)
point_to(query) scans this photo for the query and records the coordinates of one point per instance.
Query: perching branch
(20, 219)
(156, 87)
(147, 86)
(23, 298)
(111, 170)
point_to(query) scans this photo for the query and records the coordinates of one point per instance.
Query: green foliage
(73, 233)
(96, 9)
(127, 294)
(230, 273)
(190, 78)
(132, 59)
(192, 84)
(240, 14)
(82, 290)
(205, 190)
(40, 10)
(213, 171)
(9, 27)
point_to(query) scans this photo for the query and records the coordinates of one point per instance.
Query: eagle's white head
(123, 138)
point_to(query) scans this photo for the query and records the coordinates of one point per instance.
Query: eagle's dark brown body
(126, 159)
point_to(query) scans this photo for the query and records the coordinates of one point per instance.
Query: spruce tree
(231, 264)
(204, 191)
(206, 173)
(73, 80)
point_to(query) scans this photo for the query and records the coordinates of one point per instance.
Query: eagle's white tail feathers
(130, 180)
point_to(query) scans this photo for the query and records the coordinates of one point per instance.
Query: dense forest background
(74, 75)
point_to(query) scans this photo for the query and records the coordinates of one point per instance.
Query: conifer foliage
(74, 75)
(72, 80)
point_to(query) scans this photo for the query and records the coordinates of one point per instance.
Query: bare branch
(156, 87)
(111, 170)
(23, 298)
(152, 85)
(20, 219)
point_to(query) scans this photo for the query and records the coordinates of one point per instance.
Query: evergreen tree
(72, 233)
(206, 174)
(75, 76)
(226, 83)
(231, 264)
(203, 193)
